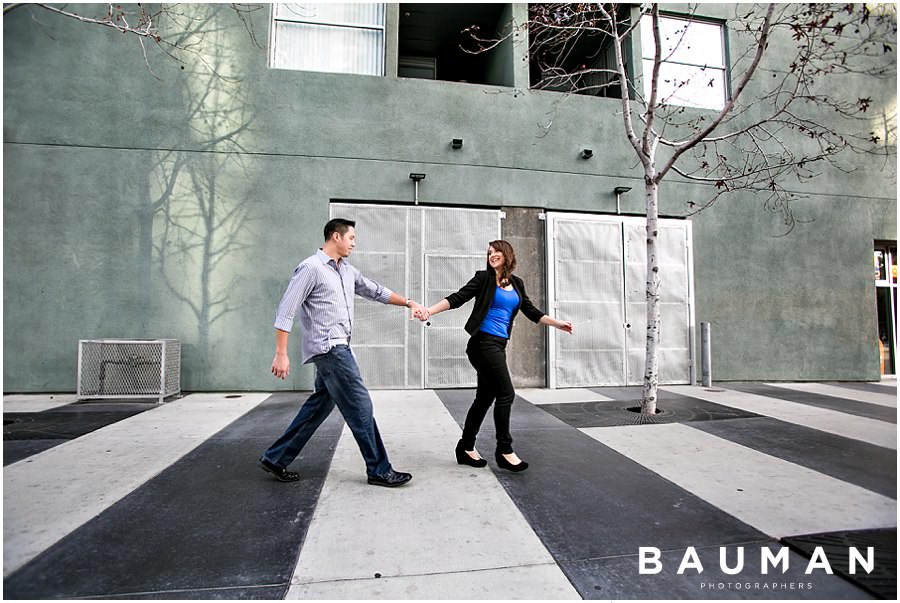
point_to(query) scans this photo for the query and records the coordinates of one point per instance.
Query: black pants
(487, 353)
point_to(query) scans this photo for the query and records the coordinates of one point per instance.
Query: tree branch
(748, 75)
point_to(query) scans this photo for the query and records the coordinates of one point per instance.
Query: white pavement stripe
(36, 402)
(50, 494)
(449, 520)
(863, 429)
(837, 391)
(561, 396)
(519, 583)
(775, 496)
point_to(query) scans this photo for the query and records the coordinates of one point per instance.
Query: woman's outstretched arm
(423, 313)
(562, 325)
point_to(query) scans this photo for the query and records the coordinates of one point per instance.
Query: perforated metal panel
(587, 289)
(446, 364)
(129, 368)
(425, 253)
(597, 280)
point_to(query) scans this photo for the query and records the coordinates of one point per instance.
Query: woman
(499, 295)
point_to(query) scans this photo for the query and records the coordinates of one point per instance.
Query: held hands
(420, 312)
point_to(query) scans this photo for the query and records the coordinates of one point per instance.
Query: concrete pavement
(723, 495)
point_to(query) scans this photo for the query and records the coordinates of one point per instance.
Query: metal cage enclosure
(129, 368)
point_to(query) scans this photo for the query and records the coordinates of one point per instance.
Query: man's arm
(297, 291)
(366, 287)
(281, 365)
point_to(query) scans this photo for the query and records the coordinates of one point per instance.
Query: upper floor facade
(401, 83)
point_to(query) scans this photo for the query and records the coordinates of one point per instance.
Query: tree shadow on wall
(195, 220)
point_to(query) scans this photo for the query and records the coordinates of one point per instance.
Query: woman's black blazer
(482, 287)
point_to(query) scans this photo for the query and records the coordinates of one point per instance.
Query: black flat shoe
(280, 473)
(391, 479)
(504, 464)
(463, 458)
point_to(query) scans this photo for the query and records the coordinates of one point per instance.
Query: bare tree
(798, 118)
(168, 27)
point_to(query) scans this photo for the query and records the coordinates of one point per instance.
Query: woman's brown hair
(509, 260)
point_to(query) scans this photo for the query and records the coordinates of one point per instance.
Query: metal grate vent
(129, 368)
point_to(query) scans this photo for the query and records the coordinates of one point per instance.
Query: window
(434, 43)
(693, 71)
(336, 38)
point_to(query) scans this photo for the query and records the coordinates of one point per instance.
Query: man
(322, 291)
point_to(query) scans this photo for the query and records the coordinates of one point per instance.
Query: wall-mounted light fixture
(416, 178)
(456, 143)
(620, 190)
(587, 153)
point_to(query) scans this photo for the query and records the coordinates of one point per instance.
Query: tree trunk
(651, 367)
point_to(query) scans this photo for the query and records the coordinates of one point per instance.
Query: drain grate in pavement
(882, 582)
(616, 413)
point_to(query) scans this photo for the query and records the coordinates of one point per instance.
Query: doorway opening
(886, 305)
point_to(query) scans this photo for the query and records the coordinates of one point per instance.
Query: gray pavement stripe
(77, 480)
(859, 428)
(212, 523)
(766, 492)
(449, 520)
(882, 399)
(16, 450)
(264, 593)
(672, 409)
(885, 386)
(866, 465)
(846, 405)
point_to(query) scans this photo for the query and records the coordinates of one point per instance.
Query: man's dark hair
(338, 225)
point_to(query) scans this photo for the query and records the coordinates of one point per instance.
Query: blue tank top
(496, 322)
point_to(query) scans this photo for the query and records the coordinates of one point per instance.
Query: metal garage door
(596, 272)
(425, 253)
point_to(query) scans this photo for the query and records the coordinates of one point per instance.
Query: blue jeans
(338, 382)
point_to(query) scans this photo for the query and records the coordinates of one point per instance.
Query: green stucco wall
(177, 207)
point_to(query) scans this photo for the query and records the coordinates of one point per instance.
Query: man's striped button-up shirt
(321, 291)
